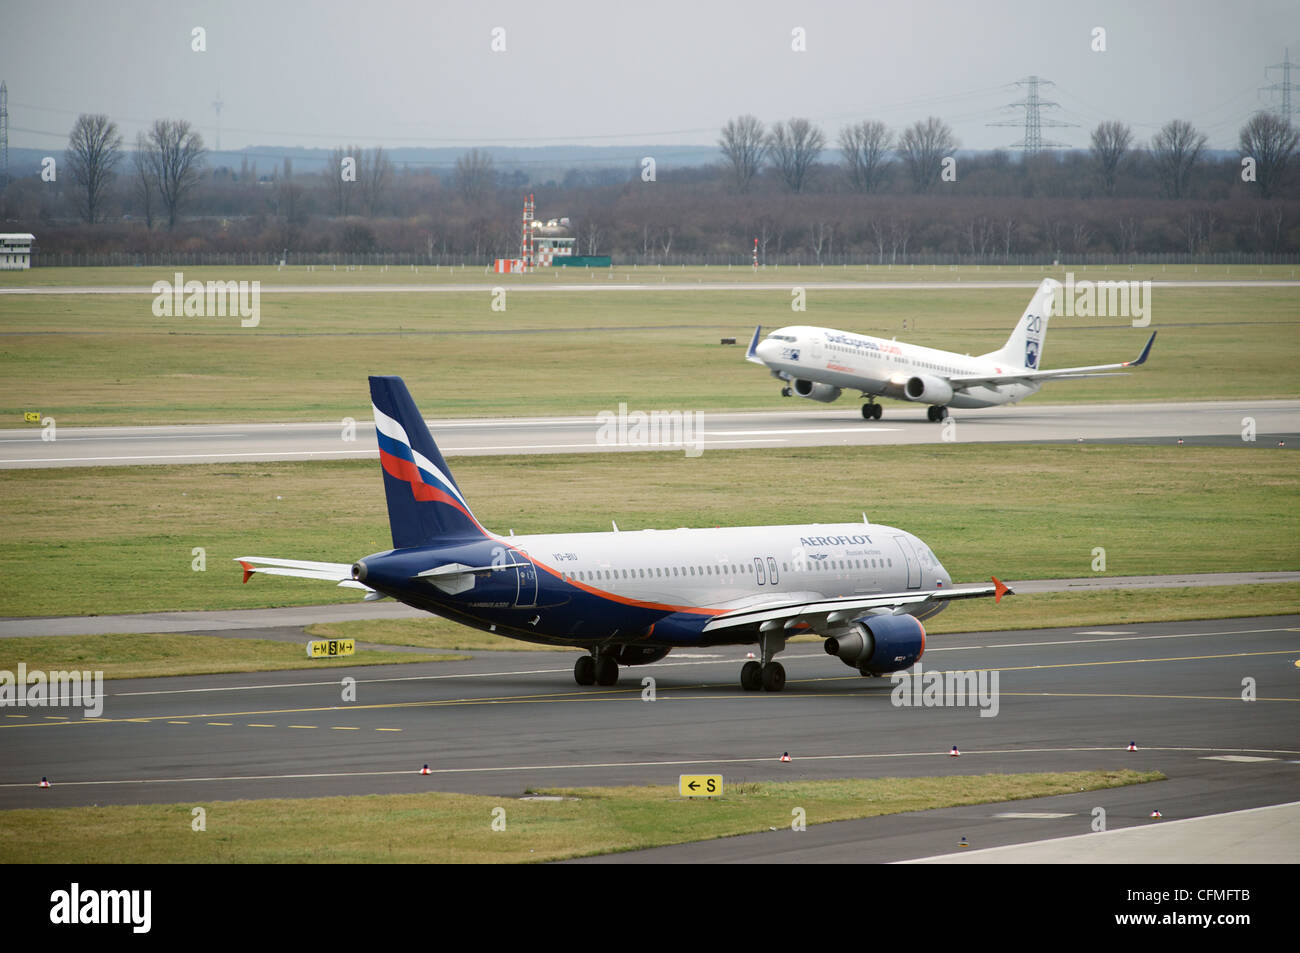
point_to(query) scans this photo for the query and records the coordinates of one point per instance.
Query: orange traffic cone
(45, 783)
(1156, 814)
(425, 770)
(954, 753)
(785, 756)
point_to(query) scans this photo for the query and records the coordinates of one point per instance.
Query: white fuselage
(736, 566)
(880, 366)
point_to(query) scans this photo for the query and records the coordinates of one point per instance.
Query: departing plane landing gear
(785, 392)
(937, 414)
(872, 411)
(598, 670)
(766, 675)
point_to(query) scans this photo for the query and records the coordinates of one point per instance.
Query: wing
(340, 573)
(1062, 373)
(821, 615)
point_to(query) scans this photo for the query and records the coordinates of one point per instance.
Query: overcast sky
(614, 72)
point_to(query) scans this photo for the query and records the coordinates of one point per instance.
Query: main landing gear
(766, 675)
(595, 670)
(786, 392)
(936, 414)
(872, 411)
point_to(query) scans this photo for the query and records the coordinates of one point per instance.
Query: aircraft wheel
(868, 411)
(785, 392)
(878, 411)
(584, 671)
(929, 414)
(773, 676)
(751, 676)
(606, 671)
(940, 413)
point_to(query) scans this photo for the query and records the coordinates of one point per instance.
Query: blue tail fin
(424, 503)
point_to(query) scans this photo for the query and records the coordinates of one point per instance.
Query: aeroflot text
(103, 906)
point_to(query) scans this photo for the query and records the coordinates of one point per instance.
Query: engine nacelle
(825, 393)
(639, 654)
(880, 643)
(927, 389)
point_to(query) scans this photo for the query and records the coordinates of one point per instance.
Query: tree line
(888, 195)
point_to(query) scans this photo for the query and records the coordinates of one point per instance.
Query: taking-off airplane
(820, 363)
(631, 598)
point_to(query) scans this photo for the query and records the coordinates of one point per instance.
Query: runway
(1209, 422)
(1067, 699)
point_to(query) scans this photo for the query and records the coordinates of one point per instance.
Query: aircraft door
(909, 558)
(526, 576)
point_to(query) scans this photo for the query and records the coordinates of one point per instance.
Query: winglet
(1000, 589)
(248, 570)
(1145, 351)
(752, 354)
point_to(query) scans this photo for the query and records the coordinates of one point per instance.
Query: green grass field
(155, 655)
(111, 540)
(107, 360)
(457, 828)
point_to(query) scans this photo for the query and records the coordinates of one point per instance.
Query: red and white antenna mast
(756, 254)
(526, 243)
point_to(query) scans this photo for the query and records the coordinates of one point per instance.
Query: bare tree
(94, 150)
(374, 175)
(923, 147)
(175, 155)
(143, 184)
(744, 143)
(1271, 141)
(865, 147)
(1176, 149)
(475, 176)
(793, 147)
(1110, 143)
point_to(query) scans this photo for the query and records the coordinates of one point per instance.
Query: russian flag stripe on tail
(424, 503)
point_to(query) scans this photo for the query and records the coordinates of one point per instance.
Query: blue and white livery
(821, 363)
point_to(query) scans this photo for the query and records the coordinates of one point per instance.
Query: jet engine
(825, 393)
(878, 644)
(929, 390)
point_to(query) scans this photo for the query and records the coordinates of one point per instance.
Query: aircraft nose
(768, 350)
(941, 578)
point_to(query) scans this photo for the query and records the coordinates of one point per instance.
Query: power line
(1033, 142)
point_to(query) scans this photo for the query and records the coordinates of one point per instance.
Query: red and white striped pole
(756, 254)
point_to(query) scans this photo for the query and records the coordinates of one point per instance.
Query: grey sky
(609, 73)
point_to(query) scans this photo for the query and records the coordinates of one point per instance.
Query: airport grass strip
(156, 655)
(459, 828)
(141, 539)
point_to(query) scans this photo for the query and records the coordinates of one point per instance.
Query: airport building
(16, 250)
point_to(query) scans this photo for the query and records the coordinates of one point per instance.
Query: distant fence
(43, 259)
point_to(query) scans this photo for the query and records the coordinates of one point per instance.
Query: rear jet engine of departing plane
(929, 389)
(880, 643)
(825, 393)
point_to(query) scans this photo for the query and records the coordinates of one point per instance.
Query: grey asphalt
(239, 621)
(1220, 422)
(503, 723)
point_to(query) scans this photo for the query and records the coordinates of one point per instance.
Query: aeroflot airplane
(631, 598)
(819, 363)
